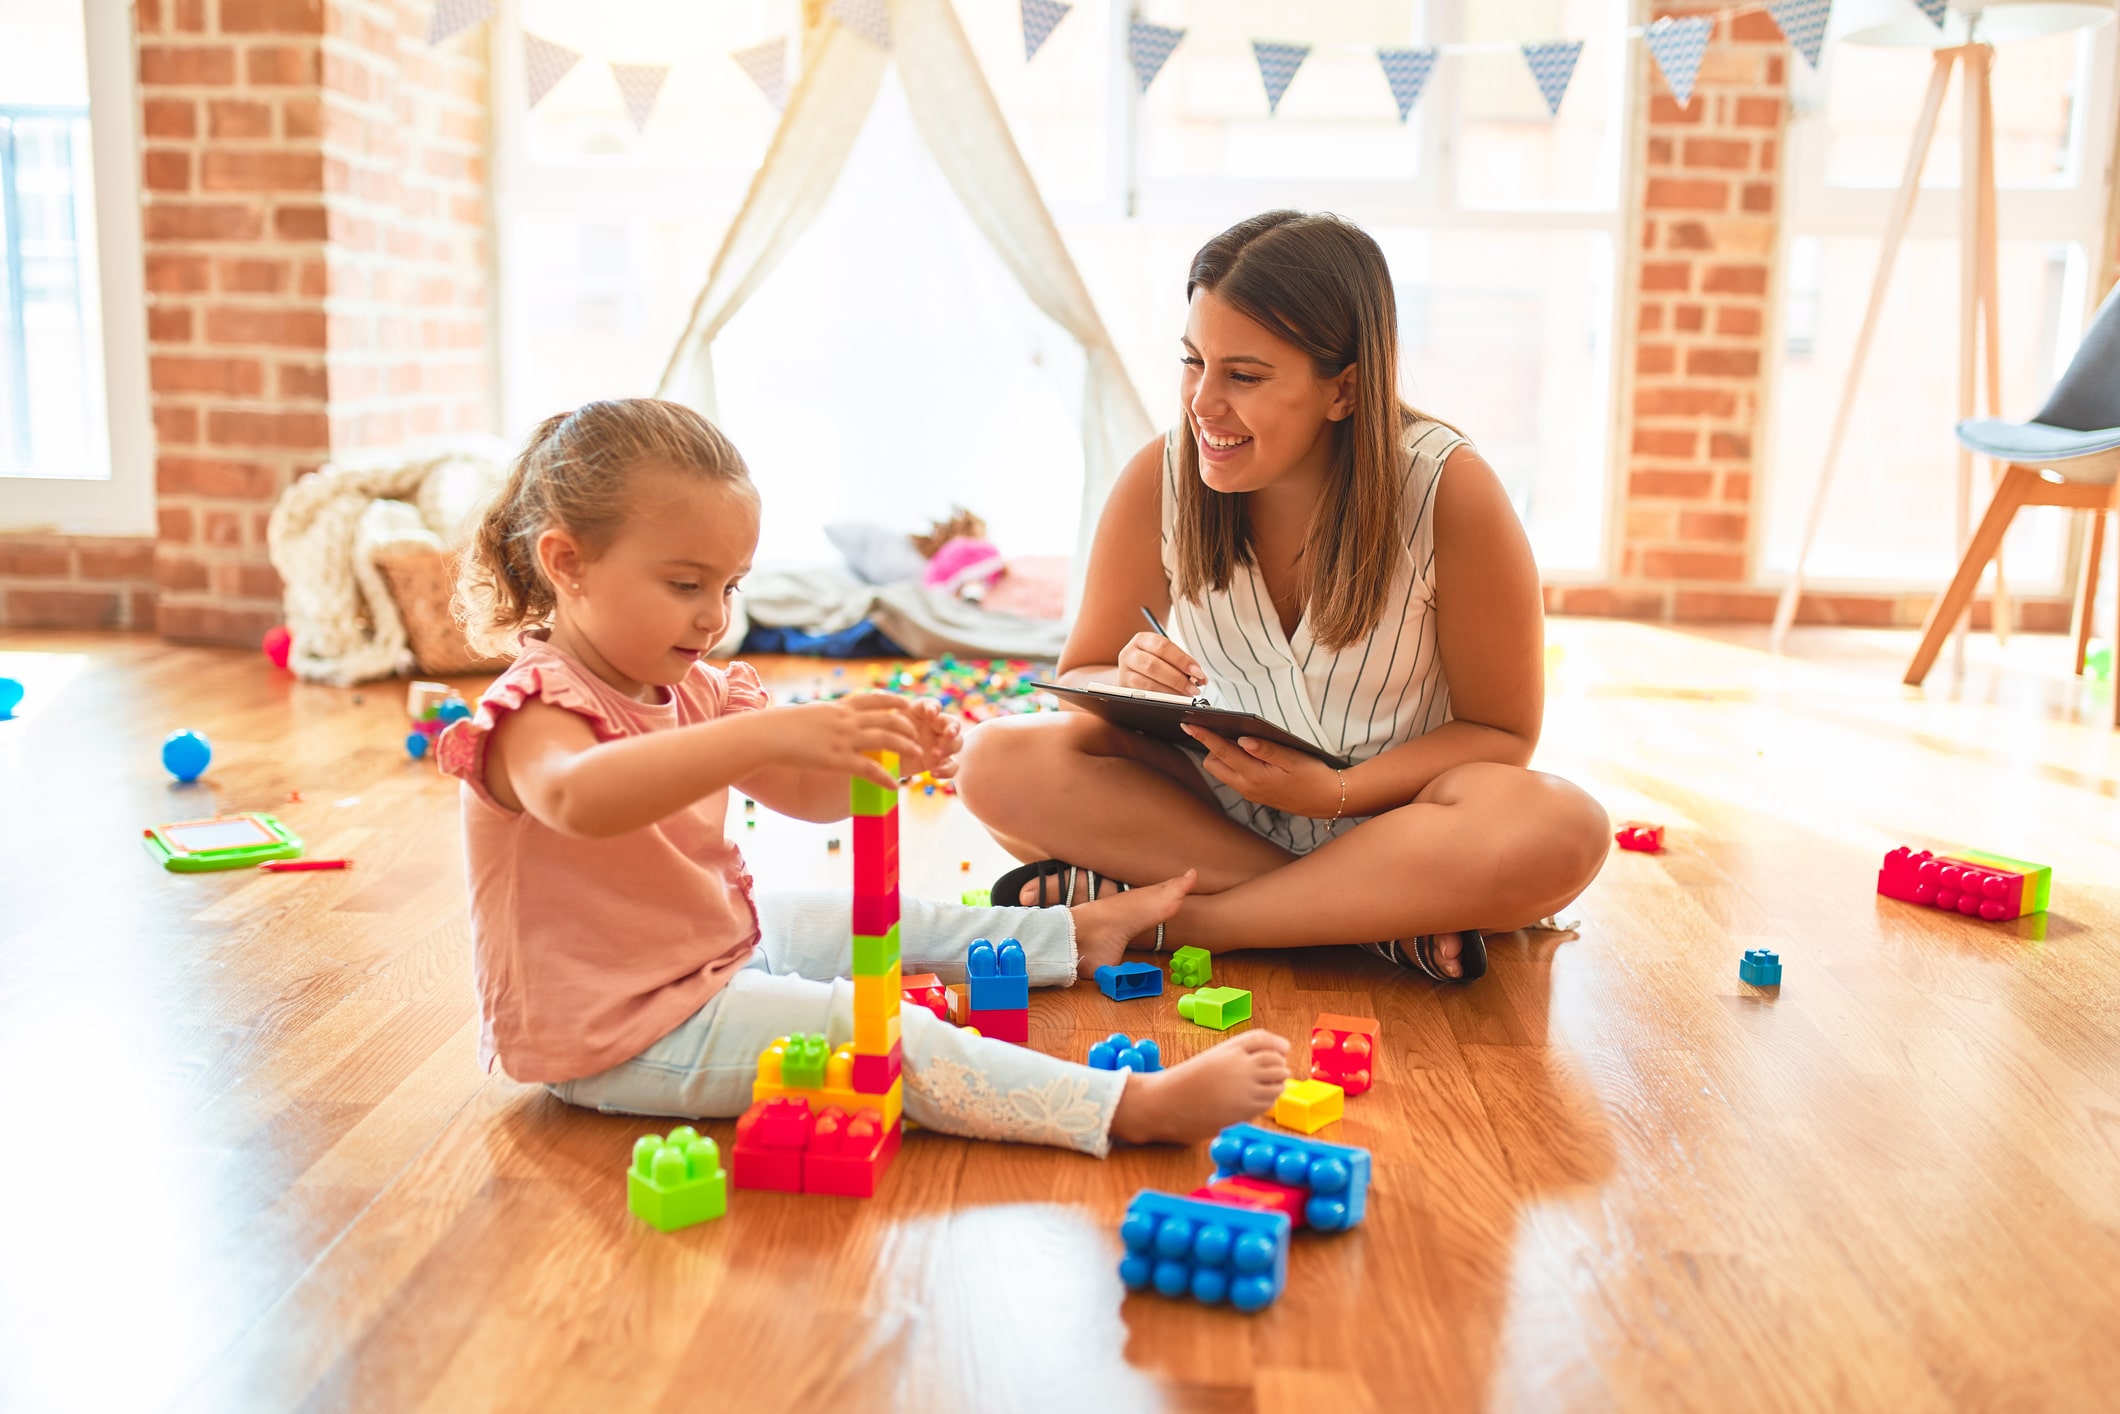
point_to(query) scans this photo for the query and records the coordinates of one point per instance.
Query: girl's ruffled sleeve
(461, 749)
(742, 691)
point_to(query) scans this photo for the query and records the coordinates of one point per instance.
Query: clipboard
(1162, 715)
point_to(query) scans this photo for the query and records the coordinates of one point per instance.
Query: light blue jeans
(796, 982)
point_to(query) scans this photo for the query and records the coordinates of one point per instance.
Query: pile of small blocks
(1972, 882)
(1217, 1007)
(678, 1181)
(1119, 1051)
(998, 1000)
(1130, 981)
(1228, 1240)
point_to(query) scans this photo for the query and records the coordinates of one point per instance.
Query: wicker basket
(421, 581)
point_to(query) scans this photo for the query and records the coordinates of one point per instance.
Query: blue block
(1337, 1175)
(1212, 1251)
(1761, 967)
(997, 976)
(1130, 980)
(1119, 1052)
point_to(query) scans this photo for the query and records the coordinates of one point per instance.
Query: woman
(1329, 559)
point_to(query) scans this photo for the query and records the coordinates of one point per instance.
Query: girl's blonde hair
(573, 474)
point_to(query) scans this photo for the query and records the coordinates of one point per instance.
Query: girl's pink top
(588, 951)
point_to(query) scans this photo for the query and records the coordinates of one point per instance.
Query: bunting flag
(1677, 46)
(456, 16)
(1803, 23)
(640, 85)
(1552, 65)
(1277, 67)
(1406, 70)
(1149, 47)
(767, 66)
(544, 64)
(1039, 17)
(867, 18)
(1933, 9)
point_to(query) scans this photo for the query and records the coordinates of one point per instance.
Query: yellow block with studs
(838, 1088)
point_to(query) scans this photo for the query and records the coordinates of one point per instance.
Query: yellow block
(887, 759)
(875, 1035)
(888, 1106)
(880, 996)
(1309, 1105)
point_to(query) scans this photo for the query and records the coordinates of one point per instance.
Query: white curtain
(970, 140)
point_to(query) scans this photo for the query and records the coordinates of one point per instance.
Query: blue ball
(186, 754)
(453, 709)
(10, 697)
(416, 745)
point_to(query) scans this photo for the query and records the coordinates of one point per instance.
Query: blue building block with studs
(1336, 1175)
(1761, 967)
(1130, 980)
(1213, 1252)
(999, 981)
(1118, 1051)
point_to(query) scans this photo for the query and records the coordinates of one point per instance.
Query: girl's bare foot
(1235, 1081)
(1104, 926)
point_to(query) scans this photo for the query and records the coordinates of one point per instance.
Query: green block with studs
(1191, 967)
(802, 1062)
(678, 1181)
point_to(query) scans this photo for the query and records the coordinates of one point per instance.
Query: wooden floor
(249, 1161)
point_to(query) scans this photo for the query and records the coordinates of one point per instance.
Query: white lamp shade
(1899, 24)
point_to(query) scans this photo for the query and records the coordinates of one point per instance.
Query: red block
(1641, 838)
(848, 1154)
(927, 990)
(875, 854)
(1964, 886)
(873, 1074)
(875, 914)
(1002, 1025)
(1244, 1192)
(770, 1138)
(1342, 1049)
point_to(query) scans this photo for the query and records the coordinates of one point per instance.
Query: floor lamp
(1965, 40)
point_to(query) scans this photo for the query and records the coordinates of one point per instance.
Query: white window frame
(124, 502)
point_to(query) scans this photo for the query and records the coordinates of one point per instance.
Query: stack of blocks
(830, 1123)
(998, 999)
(1972, 882)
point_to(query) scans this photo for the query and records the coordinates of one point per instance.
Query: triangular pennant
(640, 85)
(767, 66)
(544, 64)
(456, 16)
(1277, 66)
(1552, 65)
(1933, 9)
(1406, 70)
(1149, 47)
(867, 18)
(1039, 17)
(1804, 23)
(1677, 46)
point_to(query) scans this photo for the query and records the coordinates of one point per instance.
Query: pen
(295, 866)
(1149, 614)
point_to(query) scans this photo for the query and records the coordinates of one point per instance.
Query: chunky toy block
(926, 990)
(799, 1059)
(1191, 967)
(996, 976)
(1335, 1175)
(960, 1008)
(977, 898)
(872, 800)
(876, 914)
(875, 1075)
(1130, 981)
(1761, 967)
(1640, 837)
(676, 1182)
(1118, 1051)
(848, 1153)
(838, 1081)
(1309, 1105)
(875, 953)
(1246, 1192)
(1002, 1025)
(1214, 1251)
(878, 997)
(770, 1138)
(876, 853)
(1972, 882)
(1342, 1050)
(1217, 1007)
(874, 1035)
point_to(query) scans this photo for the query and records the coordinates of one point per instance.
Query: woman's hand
(941, 738)
(831, 736)
(1272, 775)
(1151, 661)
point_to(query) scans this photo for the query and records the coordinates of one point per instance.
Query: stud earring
(577, 586)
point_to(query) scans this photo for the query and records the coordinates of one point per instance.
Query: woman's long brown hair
(1321, 284)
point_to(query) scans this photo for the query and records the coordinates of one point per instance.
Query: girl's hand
(1151, 661)
(1272, 775)
(941, 738)
(831, 736)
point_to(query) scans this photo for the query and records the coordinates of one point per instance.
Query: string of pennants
(1677, 43)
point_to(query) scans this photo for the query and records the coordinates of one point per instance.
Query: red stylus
(292, 866)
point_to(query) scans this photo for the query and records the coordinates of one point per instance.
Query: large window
(890, 366)
(1890, 520)
(73, 444)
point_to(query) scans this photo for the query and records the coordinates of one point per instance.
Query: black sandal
(1418, 954)
(1008, 889)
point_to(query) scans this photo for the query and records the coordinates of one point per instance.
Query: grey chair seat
(2043, 446)
(2077, 434)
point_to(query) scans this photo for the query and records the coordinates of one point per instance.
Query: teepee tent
(846, 51)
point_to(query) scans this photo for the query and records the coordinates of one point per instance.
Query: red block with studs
(1342, 1049)
(1243, 1191)
(1976, 884)
(848, 1153)
(1641, 838)
(770, 1139)
(926, 989)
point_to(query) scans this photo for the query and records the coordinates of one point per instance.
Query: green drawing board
(225, 842)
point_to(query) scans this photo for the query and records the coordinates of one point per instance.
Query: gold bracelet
(1342, 807)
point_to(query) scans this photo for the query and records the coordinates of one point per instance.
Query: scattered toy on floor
(1129, 981)
(1972, 882)
(1119, 1051)
(416, 745)
(678, 1181)
(1309, 1105)
(998, 991)
(925, 989)
(1641, 838)
(186, 755)
(10, 697)
(1342, 1050)
(1191, 967)
(976, 898)
(277, 645)
(1761, 967)
(298, 866)
(831, 846)
(1216, 1007)
(224, 842)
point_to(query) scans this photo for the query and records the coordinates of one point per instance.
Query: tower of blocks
(1972, 882)
(829, 1121)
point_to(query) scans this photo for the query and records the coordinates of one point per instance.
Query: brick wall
(77, 581)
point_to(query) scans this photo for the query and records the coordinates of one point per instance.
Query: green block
(1191, 967)
(873, 956)
(1218, 1007)
(802, 1062)
(678, 1181)
(977, 898)
(872, 799)
(2038, 878)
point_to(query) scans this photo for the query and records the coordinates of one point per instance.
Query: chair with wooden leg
(2067, 455)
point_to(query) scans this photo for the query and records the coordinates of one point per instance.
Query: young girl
(621, 956)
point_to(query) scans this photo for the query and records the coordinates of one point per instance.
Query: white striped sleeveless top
(1374, 694)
